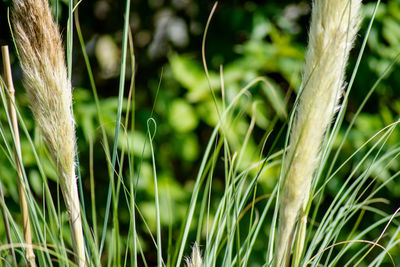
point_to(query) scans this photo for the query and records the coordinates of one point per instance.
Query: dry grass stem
(334, 24)
(49, 90)
(29, 254)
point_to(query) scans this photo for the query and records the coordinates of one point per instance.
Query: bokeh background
(246, 39)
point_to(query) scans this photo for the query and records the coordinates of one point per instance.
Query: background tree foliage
(246, 39)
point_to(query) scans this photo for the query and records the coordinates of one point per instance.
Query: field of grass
(190, 133)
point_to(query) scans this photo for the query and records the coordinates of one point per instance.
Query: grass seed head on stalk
(195, 259)
(49, 90)
(334, 24)
(45, 79)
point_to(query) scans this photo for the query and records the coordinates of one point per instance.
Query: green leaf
(182, 116)
(190, 74)
(134, 143)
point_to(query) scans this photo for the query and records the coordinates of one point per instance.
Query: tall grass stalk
(50, 93)
(121, 90)
(30, 256)
(334, 24)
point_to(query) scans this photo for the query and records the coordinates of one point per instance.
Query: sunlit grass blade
(111, 191)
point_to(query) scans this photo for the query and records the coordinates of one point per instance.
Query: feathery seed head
(45, 78)
(334, 24)
(49, 91)
(195, 260)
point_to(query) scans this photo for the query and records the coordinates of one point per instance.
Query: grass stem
(29, 254)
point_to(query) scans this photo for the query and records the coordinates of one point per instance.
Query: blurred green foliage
(246, 40)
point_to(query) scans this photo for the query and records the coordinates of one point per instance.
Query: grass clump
(228, 219)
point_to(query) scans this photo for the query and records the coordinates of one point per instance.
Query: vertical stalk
(30, 256)
(49, 90)
(334, 25)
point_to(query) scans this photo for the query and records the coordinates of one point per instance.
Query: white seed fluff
(334, 25)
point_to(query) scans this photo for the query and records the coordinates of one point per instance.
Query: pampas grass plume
(49, 90)
(195, 260)
(334, 25)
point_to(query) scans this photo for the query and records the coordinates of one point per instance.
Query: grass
(230, 220)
